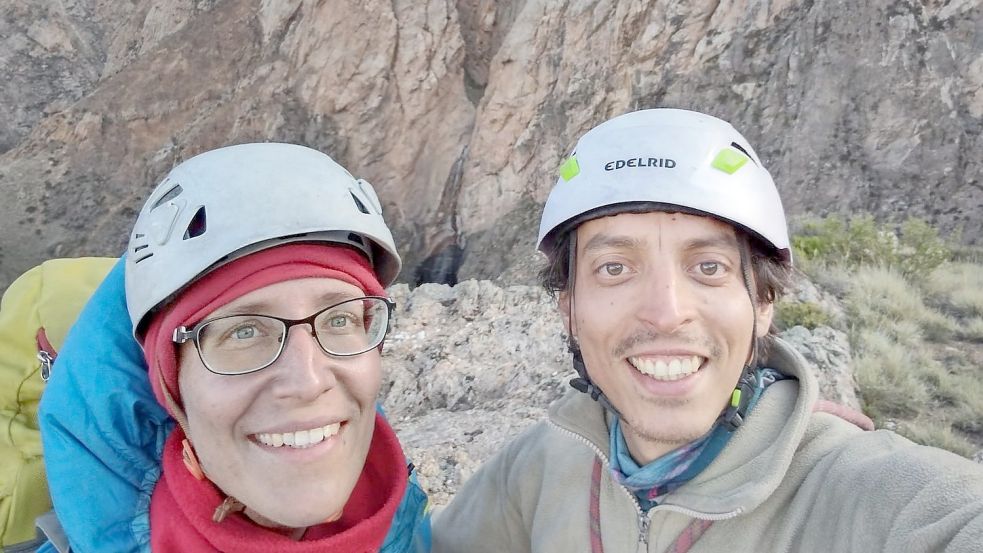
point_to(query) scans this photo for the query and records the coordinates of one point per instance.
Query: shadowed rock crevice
(443, 249)
(440, 267)
(484, 24)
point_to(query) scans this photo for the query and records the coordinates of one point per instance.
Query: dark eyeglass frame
(183, 334)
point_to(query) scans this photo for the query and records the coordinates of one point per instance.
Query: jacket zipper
(643, 533)
(645, 519)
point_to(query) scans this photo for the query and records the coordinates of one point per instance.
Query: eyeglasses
(240, 344)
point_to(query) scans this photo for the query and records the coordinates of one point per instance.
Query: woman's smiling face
(288, 441)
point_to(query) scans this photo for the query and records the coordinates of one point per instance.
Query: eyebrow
(604, 241)
(607, 241)
(721, 240)
(261, 307)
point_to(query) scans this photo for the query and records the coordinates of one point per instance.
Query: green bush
(888, 386)
(958, 288)
(967, 253)
(914, 250)
(936, 327)
(807, 314)
(921, 248)
(936, 434)
(967, 419)
(972, 330)
(882, 298)
(914, 315)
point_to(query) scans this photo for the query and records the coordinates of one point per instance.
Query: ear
(766, 311)
(563, 306)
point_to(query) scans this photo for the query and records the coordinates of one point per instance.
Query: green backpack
(35, 314)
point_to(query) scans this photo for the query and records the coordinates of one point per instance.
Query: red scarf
(181, 508)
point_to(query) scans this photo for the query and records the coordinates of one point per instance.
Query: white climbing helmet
(666, 156)
(229, 202)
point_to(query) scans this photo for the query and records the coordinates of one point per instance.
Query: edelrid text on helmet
(670, 157)
(205, 213)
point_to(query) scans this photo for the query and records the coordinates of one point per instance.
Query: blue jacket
(103, 432)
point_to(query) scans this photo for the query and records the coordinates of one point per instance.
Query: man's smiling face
(664, 322)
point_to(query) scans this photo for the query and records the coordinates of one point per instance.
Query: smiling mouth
(667, 369)
(299, 439)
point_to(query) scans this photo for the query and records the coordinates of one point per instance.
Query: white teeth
(299, 439)
(679, 367)
(674, 368)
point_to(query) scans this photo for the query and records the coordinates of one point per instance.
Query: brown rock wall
(459, 111)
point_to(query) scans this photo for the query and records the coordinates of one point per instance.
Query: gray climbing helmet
(229, 202)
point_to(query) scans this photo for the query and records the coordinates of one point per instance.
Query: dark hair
(771, 274)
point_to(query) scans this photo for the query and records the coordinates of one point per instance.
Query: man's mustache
(684, 339)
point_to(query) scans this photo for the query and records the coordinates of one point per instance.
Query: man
(698, 428)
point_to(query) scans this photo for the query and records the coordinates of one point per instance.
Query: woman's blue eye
(338, 321)
(244, 332)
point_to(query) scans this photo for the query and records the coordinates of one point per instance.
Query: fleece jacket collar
(751, 466)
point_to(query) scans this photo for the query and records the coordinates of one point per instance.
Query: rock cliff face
(459, 111)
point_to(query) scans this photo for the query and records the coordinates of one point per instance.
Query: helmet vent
(168, 196)
(197, 226)
(742, 150)
(137, 248)
(352, 237)
(358, 203)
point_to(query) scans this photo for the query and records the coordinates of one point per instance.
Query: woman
(254, 280)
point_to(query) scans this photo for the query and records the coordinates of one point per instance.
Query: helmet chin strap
(740, 399)
(735, 413)
(582, 383)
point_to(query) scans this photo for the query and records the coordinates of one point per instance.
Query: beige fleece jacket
(789, 480)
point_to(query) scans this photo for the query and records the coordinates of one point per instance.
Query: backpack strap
(846, 413)
(49, 525)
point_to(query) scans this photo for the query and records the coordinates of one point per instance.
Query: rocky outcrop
(469, 367)
(828, 352)
(459, 111)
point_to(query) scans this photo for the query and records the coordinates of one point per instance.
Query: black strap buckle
(740, 398)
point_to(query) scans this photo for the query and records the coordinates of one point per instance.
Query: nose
(303, 370)
(665, 304)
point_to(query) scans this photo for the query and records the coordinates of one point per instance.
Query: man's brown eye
(709, 268)
(614, 269)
